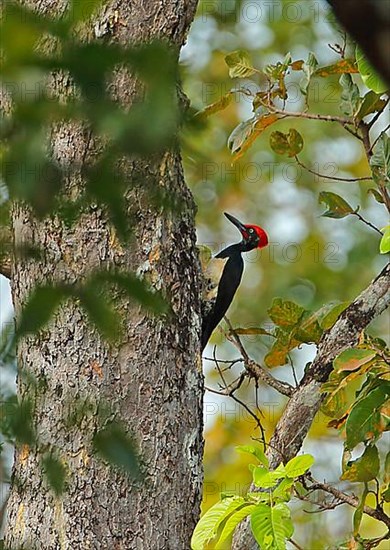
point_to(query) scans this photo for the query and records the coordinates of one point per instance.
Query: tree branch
(306, 400)
(376, 513)
(257, 371)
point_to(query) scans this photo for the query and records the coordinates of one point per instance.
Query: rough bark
(305, 402)
(150, 380)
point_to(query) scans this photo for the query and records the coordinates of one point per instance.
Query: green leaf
(282, 492)
(337, 206)
(79, 10)
(285, 313)
(352, 359)
(100, 312)
(207, 527)
(332, 313)
(135, 289)
(381, 156)
(299, 465)
(350, 96)
(309, 68)
(55, 473)
(290, 144)
(384, 246)
(16, 420)
(231, 523)
(255, 451)
(377, 196)
(271, 526)
(365, 468)
(239, 64)
(372, 103)
(369, 75)
(358, 515)
(40, 306)
(365, 422)
(117, 448)
(266, 479)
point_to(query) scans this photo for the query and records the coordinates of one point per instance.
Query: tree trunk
(150, 380)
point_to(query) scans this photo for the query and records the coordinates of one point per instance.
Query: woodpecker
(227, 267)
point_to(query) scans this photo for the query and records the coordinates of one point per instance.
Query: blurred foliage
(245, 63)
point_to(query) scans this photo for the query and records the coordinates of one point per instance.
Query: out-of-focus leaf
(332, 314)
(365, 422)
(40, 306)
(340, 67)
(369, 76)
(337, 206)
(290, 144)
(118, 448)
(350, 96)
(239, 64)
(353, 358)
(100, 311)
(80, 10)
(215, 107)
(365, 468)
(372, 103)
(55, 473)
(272, 525)
(309, 68)
(285, 313)
(16, 420)
(135, 288)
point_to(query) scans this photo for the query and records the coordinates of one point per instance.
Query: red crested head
(262, 235)
(253, 236)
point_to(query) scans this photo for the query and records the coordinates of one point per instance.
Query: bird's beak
(240, 226)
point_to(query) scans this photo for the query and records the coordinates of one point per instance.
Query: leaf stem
(367, 222)
(334, 178)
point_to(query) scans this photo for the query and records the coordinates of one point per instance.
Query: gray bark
(150, 380)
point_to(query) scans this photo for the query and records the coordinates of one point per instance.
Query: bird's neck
(233, 250)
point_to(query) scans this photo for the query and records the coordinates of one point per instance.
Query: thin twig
(367, 222)
(371, 123)
(378, 138)
(257, 371)
(295, 544)
(334, 178)
(345, 122)
(353, 501)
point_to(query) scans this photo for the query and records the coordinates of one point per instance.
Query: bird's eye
(250, 230)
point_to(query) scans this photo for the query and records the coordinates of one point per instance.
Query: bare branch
(306, 400)
(257, 371)
(333, 178)
(376, 513)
